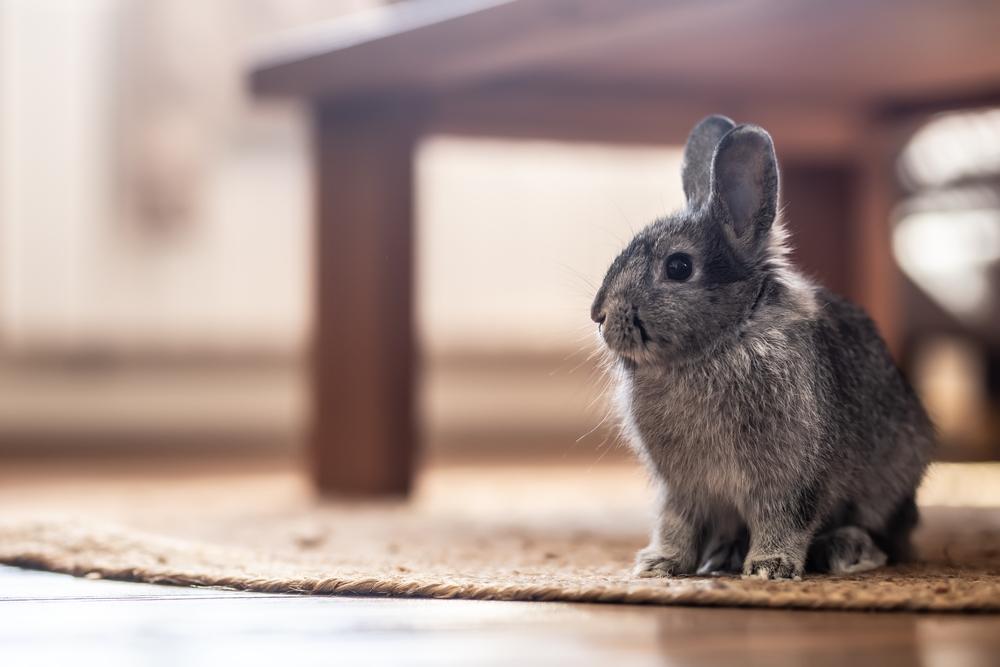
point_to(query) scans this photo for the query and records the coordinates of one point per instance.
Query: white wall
(54, 131)
(75, 270)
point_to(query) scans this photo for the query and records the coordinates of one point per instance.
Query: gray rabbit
(781, 434)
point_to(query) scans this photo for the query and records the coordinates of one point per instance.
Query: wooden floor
(55, 619)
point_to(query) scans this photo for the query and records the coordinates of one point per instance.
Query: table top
(860, 53)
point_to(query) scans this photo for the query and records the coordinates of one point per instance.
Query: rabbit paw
(772, 567)
(652, 562)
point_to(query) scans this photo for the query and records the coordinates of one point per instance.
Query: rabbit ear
(696, 173)
(745, 183)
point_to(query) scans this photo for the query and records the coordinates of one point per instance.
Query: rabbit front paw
(772, 567)
(654, 562)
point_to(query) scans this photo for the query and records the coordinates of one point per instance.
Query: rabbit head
(691, 277)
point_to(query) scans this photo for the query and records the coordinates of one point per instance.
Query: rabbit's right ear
(696, 172)
(745, 185)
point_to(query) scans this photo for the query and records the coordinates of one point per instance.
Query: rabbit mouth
(644, 337)
(628, 337)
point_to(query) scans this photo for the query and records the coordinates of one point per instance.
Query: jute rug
(542, 549)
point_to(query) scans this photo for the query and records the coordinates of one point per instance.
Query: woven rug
(523, 548)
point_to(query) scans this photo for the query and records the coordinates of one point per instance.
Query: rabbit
(781, 436)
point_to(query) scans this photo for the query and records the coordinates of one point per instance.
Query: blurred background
(156, 254)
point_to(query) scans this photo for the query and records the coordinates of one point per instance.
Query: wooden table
(838, 84)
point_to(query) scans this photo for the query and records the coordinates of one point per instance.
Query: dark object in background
(947, 241)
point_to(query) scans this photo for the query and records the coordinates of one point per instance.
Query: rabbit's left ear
(696, 172)
(745, 184)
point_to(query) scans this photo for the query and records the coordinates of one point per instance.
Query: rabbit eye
(679, 266)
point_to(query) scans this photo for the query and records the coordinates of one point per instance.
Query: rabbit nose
(599, 317)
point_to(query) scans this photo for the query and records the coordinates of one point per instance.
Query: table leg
(363, 435)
